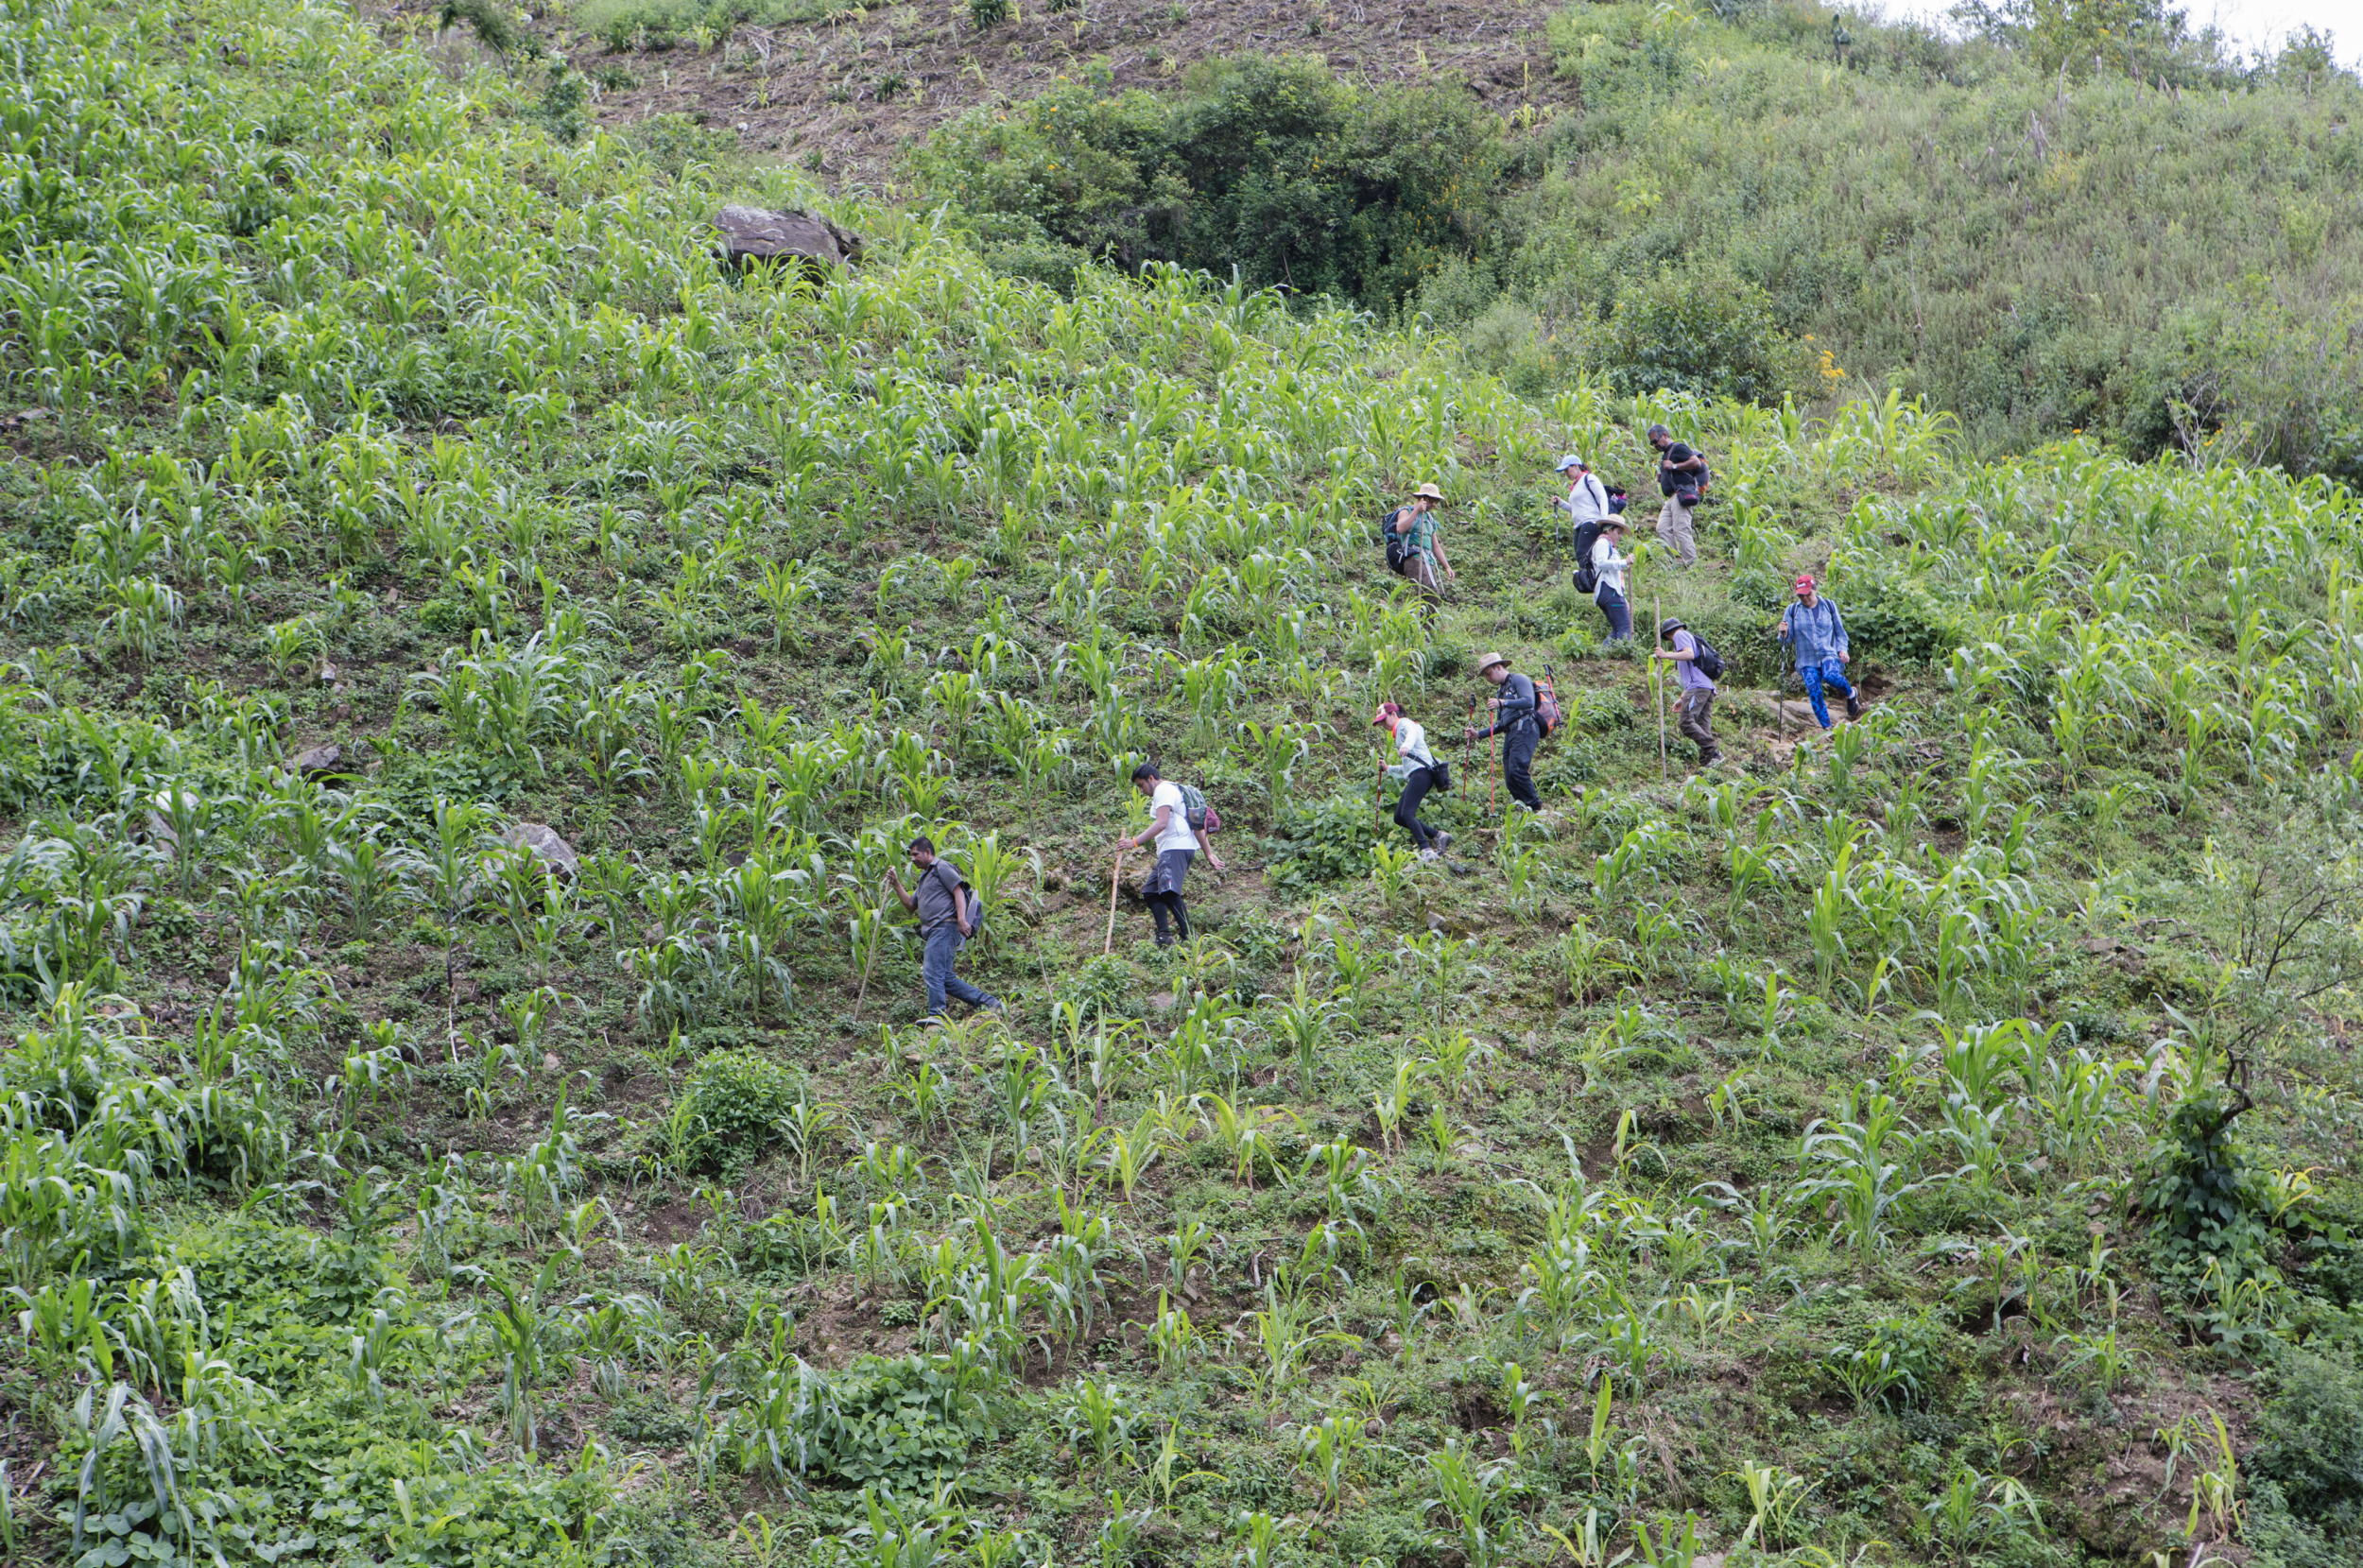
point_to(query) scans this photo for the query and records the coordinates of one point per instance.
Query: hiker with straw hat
(1608, 573)
(1423, 558)
(1515, 721)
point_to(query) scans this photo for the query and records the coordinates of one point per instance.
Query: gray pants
(1673, 526)
(1695, 716)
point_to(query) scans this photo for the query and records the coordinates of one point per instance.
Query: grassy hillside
(1932, 1144)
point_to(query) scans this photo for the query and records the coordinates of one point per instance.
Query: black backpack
(1587, 535)
(1394, 541)
(1709, 661)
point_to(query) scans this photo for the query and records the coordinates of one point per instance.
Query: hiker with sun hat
(1423, 558)
(1516, 719)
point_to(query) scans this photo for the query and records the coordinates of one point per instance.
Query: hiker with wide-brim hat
(1423, 558)
(1514, 720)
(1608, 565)
(1694, 710)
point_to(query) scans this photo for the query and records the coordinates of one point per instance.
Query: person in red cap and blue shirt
(1816, 634)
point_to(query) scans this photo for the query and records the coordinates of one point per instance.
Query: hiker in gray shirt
(943, 925)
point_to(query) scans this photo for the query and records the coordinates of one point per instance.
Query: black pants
(1518, 764)
(1408, 808)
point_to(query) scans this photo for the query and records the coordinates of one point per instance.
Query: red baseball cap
(1386, 712)
(1804, 580)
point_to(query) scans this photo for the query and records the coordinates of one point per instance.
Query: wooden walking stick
(1115, 880)
(1657, 668)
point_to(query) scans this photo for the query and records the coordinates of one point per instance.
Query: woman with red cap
(1416, 765)
(1815, 632)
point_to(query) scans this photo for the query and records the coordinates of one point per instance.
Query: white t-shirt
(1411, 743)
(1177, 835)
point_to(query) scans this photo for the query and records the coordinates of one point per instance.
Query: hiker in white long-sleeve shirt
(1608, 568)
(1586, 499)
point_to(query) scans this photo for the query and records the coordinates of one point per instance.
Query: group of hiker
(1521, 712)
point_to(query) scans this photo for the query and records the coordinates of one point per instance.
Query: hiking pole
(1115, 880)
(1657, 668)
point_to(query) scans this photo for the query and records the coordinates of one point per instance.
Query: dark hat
(1669, 626)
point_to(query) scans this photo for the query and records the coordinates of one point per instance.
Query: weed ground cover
(1927, 1143)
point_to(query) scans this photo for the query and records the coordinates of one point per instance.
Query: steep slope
(1874, 1142)
(847, 92)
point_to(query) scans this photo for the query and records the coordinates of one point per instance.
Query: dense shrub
(1703, 330)
(738, 1098)
(1324, 842)
(2310, 1439)
(1269, 165)
(1896, 618)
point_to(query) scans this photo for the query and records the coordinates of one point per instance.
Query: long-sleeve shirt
(1517, 706)
(1411, 746)
(1586, 500)
(1608, 569)
(1817, 631)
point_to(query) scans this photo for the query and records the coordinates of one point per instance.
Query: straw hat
(1487, 660)
(1430, 492)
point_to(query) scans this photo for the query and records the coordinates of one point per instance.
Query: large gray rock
(753, 234)
(545, 845)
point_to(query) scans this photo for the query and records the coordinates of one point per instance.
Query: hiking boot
(1443, 842)
(1710, 759)
(1428, 856)
(1854, 704)
(996, 1006)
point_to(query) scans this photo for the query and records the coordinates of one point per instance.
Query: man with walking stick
(945, 923)
(1514, 720)
(1694, 708)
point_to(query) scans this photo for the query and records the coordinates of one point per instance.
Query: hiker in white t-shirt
(1170, 830)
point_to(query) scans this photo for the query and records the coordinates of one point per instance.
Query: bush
(1269, 165)
(2310, 1439)
(1897, 619)
(738, 1098)
(1703, 330)
(1323, 843)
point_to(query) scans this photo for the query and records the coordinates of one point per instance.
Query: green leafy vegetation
(1929, 1142)
(2077, 216)
(1270, 166)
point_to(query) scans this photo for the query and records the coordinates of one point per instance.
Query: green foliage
(1704, 330)
(1895, 618)
(2309, 1438)
(2203, 1193)
(1267, 165)
(1324, 842)
(903, 1421)
(1994, 272)
(736, 1099)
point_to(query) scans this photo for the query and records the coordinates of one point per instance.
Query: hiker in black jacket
(1515, 721)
